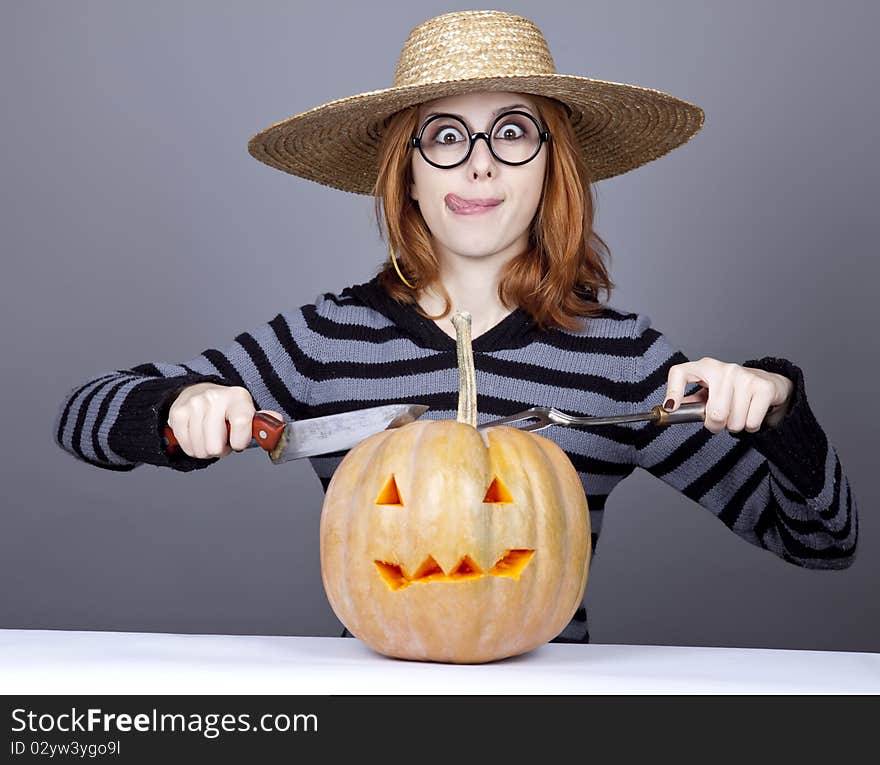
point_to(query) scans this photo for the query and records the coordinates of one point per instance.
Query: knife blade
(293, 440)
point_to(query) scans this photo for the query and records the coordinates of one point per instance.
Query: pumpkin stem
(467, 376)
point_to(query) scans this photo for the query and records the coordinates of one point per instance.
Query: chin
(473, 252)
(474, 244)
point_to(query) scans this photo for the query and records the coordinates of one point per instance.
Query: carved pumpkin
(440, 542)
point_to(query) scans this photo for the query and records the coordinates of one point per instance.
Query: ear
(412, 192)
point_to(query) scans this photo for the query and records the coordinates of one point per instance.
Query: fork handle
(694, 411)
(690, 412)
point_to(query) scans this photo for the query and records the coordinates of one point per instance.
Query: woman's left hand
(736, 397)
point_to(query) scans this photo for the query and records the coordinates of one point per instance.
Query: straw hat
(619, 127)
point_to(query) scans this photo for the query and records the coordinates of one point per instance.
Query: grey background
(137, 228)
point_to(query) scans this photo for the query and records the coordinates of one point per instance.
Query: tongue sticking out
(455, 202)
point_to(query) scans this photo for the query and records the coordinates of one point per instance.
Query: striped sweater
(781, 488)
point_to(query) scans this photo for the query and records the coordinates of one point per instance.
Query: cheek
(535, 187)
(429, 191)
(426, 196)
(425, 181)
(528, 197)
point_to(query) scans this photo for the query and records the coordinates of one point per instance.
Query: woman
(481, 158)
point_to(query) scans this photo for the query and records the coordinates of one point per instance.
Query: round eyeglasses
(514, 139)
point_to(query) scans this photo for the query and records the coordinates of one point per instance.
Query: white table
(77, 662)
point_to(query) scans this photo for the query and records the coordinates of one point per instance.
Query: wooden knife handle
(265, 428)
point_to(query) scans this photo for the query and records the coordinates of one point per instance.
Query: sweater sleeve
(780, 488)
(116, 419)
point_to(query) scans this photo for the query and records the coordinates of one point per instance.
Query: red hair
(556, 279)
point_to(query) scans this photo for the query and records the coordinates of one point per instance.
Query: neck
(472, 284)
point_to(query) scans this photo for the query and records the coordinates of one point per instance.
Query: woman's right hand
(199, 415)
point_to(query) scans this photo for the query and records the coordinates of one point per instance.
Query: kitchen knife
(319, 435)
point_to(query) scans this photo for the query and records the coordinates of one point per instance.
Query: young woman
(481, 158)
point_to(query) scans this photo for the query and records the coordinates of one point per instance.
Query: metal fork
(548, 415)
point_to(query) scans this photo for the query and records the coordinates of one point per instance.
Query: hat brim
(619, 126)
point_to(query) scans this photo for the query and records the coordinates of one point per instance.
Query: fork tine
(543, 422)
(541, 418)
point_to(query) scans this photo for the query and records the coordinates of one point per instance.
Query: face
(501, 231)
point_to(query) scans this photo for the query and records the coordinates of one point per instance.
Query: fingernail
(670, 403)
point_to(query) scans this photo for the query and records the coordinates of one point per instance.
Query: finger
(679, 376)
(758, 408)
(214, 428)
(197, 428)
(241, 417)
(740, 404)
(675, 384)
(718, 403)
(181, 433)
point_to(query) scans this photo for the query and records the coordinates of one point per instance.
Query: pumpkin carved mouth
(511, 564)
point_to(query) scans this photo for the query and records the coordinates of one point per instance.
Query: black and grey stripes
(81, 423)
(781, 489)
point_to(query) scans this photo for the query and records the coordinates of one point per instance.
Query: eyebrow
(492, 115)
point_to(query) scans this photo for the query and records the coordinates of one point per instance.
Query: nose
(481, 162)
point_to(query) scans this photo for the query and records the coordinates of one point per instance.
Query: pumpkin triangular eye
(389, 494)
(497, 492)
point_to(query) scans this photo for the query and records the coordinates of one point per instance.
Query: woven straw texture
(619, 126)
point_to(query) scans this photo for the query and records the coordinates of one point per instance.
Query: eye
(447, 135)
(497, 492)
(390, 495)
(510, 130)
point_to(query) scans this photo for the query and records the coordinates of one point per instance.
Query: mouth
(461, 206)
(511, 564)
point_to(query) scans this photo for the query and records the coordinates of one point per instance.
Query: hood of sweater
(515, 330)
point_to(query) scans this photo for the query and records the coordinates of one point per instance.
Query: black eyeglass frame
(543, 137)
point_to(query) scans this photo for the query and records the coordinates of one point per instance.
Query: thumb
(675, 381)
(276, 415)
(675, 397)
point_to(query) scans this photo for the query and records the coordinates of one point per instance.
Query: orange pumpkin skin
(470, 605)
